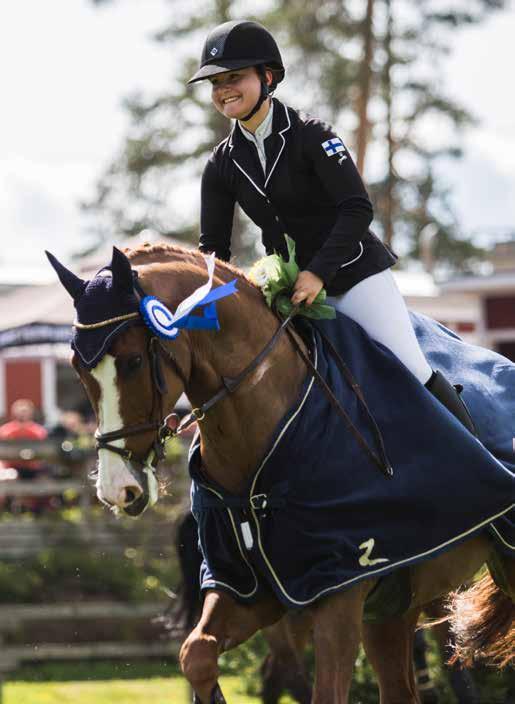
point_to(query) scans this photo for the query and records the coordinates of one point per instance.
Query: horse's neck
(236, 431)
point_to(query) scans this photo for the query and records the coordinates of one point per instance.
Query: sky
(66, 66)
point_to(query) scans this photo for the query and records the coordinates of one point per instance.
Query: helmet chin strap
(262, 97)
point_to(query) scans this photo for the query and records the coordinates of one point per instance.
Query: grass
(157, 690)
(111, 682)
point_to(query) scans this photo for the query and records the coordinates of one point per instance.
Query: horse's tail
(190, 561)
(483, 622)
(183, 613)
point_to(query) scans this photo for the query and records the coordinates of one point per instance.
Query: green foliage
(245, 662)
(67, 573)
(66, 671)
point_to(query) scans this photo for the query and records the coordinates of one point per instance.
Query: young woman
(291, 173)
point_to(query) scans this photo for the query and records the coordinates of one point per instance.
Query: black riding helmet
(240, 44)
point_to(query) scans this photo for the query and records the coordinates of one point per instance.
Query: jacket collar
(243, 153)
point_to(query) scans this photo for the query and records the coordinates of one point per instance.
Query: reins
(229, 385)
(381, 459)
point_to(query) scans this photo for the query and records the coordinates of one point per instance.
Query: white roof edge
(476, 284)
(416, 283)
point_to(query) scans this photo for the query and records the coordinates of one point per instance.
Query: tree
(376, 67)
(169, 139)
(372, 70)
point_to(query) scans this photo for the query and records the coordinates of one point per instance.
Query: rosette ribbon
(164, 323)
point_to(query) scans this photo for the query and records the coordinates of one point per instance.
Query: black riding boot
(449, 396)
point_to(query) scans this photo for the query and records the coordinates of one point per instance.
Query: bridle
(159, 390)
(164, 432)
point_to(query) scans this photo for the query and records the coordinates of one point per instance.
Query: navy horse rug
(318, 515)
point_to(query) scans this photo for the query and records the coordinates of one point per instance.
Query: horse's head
(130, 380)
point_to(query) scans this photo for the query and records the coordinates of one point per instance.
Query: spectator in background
(73, 426)
(23, 426)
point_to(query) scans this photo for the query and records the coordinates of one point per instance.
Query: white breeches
(378, 306)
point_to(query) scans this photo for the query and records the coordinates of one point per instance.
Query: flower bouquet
(276, 278)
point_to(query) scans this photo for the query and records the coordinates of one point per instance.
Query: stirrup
(450, 397)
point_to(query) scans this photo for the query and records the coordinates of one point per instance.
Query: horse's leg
(508, 564)
(299, 634)
(425, 685)
(389, 648)
(284, 667)
(460, 679)
(337, 635)
(224, 624)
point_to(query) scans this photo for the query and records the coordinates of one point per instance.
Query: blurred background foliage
(374, 69)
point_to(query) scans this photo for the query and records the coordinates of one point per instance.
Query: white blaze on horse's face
(114, 479)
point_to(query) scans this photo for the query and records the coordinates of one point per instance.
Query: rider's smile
(234, 93)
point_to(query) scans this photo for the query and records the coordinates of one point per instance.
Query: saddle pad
(318, 516)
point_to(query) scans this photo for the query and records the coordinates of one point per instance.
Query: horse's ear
(122, 272)
(73, 284)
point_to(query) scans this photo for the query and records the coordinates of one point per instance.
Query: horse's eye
(129, 365)
(134, 363)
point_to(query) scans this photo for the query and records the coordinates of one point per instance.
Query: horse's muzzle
(145, 479)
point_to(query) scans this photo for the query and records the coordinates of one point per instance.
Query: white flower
(265, 271)
(259, 276)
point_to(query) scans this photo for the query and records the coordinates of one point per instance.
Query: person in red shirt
(23, 426)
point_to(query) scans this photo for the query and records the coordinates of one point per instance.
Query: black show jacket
(311, 190)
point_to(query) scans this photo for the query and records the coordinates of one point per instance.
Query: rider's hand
(307, 287)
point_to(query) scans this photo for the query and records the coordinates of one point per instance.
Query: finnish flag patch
(333, 146)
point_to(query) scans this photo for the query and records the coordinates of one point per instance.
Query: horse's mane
(186, 259)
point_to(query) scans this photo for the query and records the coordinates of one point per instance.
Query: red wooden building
(495, 297)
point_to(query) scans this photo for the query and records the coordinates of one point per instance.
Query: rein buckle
(199, 414)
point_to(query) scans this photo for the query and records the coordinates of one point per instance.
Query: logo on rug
(365, 560)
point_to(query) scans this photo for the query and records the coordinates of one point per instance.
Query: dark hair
(262, 69)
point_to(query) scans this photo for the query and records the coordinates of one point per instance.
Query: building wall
(23, 379)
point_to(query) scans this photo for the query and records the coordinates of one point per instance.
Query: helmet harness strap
(265, 93)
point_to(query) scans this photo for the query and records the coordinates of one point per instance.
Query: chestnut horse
(284, 669)
(129, 410)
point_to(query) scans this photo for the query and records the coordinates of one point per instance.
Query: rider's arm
(216, 213)
(341, 180)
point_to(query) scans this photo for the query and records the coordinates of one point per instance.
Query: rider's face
(234, 93)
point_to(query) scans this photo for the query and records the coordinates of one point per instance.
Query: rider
(290, 172)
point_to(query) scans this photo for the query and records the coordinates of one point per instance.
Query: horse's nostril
(131, 494)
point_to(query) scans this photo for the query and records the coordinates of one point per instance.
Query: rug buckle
(259, 502)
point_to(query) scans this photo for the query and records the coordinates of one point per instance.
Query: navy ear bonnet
(110, 295)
